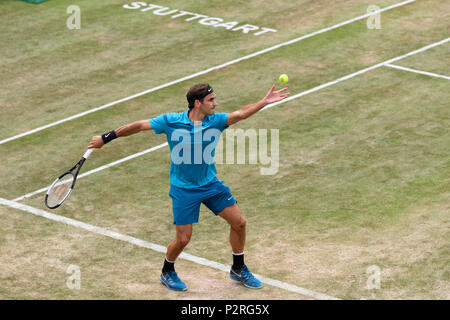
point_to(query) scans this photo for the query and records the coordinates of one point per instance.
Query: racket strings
(59, 190)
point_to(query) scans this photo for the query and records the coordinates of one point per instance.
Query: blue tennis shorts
(186, 202)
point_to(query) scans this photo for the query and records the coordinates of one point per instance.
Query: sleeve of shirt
(221, 119)
(158, 124)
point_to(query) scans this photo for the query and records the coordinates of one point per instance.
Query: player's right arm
(122, 131)
(250, 109)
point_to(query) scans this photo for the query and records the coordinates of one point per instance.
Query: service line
(430, 74)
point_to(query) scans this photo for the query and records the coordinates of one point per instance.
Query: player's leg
(222, 203)
(239, 271)
(186, 209)
(183, 235)
(168, 275)
(237, 221)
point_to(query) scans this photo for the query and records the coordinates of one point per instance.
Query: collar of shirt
(185, 119)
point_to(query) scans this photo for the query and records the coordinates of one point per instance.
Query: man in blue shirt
(193, 178)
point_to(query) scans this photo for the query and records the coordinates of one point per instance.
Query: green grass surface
(364, 164)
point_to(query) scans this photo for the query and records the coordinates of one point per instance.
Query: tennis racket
(61, 188)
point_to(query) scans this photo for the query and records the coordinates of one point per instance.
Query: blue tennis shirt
(191, 146)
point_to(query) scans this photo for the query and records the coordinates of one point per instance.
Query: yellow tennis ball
(284, 78)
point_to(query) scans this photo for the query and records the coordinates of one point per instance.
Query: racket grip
(88, 153)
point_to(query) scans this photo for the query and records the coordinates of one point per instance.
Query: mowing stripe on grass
(204, 71)
(157, 248)
(322, 86)
(417, 71)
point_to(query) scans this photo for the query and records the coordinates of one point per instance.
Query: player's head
(202, 96)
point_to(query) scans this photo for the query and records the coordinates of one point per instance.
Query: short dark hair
(198, 92)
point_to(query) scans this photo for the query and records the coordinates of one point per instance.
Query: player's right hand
(96, 142)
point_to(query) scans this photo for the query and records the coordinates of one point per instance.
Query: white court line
(158, 248)
(204, 71)
(417, 71)
(322, 86)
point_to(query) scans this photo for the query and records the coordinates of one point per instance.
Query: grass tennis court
(363, 176)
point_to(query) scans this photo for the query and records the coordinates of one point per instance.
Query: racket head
(60, 190)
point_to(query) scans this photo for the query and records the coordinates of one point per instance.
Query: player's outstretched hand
(275, 96)
(96, 142)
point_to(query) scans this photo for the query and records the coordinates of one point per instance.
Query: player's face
(209, 104)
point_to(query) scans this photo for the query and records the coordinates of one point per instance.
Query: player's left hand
(275, 96)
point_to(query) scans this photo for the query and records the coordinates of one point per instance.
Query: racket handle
(88, 153)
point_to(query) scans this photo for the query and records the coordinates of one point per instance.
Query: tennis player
(193, 178)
